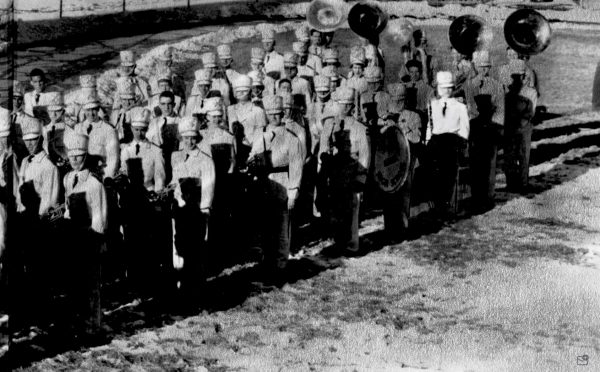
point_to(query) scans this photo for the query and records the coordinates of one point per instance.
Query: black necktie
(187, 156)
(89, 129)
(137, 148)
(444, 109)
(37, 98)
(75, 180)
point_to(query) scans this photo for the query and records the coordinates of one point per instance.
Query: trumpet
(163, 194)
(55, 213)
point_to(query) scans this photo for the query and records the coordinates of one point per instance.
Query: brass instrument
(399, 31)
(327, 15)
(470, 33)
(527, 32)
(367, 20)
(55, 213)
(164, 194)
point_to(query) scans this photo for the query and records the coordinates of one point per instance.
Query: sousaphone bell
(327, 15)
(367, 20)
(527, 32)
(469, 33)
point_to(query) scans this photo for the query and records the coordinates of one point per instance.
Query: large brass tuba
(327, 15)
(367, 19)
(469, 33)
(527, 32)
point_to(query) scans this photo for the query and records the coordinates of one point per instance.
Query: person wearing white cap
(273, 60)
(246, 120)
(87, 86)
(300, 86)
(447, 135)
(331, 73)
(344, 160)
(200, 89)
(127, 69)
(322, 107)
(39, 183)
(292, 119)
(258, 87)
(164, 63)
(282, 150)
(375, 101)
(226, 61)
(144, 227)
(485, 102)
(163, 82)
(55, 131)
(313, 61)
(87, 211)
(396, 206)
(356, 77)
(194, 173)
(221, 144)
(163, 130)
(103, 144)
(257, 63)
(120, 117)
(218, 83)
(304, 70)
(331, 60)
(521, 101)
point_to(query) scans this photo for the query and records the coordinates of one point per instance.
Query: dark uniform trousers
(444, 154)
(190, 231)
(517, 148)
(483, 148)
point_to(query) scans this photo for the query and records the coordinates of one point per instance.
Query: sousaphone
(527, 32)
(367, 19)
(469, 33)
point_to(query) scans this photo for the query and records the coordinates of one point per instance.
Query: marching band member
(163, 130)
(396, 206)
(87, 84)
(164, 62)
(103, 140)
(87, 212)
(35, 102)
(292, 122)
(463, 69)
(344, 158)
(374, 56)
(304, 70)
(163, 83)
(199, 92)
(209, 63)
(429, 64)
(302, 34)
(419, 93)
(273, 61)
(16, 118)
(246, 120)
(120, 117)
(375, 101)
(258, 87)
(316, 43)
(356, 79)
(127, 70)
(521, 101)
(485, 103)
(38, 177)
(282, 150)
(334, 78)
(54, 133)
(226, 60)
(504, 72)
(313, 61)
(322, 107)
(220, 143)
(194, 172)
(300, 86)
(257, 63)
(331, 58)
(9, 183)
(144, 164)
(447, 133)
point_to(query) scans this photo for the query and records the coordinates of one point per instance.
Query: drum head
(392, 160)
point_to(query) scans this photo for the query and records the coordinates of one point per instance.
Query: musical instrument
(399, 31)
(327, 15)
(392, 159)
(163, 194)
(527, 32)
(367, 20)
(55, 213)
(469, 33)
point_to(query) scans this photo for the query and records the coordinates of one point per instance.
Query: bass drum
(392, 159)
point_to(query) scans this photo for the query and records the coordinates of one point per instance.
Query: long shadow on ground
(228, 291)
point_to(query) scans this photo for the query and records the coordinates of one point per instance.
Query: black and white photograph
(299, 185)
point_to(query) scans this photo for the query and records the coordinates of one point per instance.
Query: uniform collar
(144, 143)
(37, 158)
(193, 152)
(82, 174)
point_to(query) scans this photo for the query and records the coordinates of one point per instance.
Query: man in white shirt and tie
(273, 60)
(447, 135)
